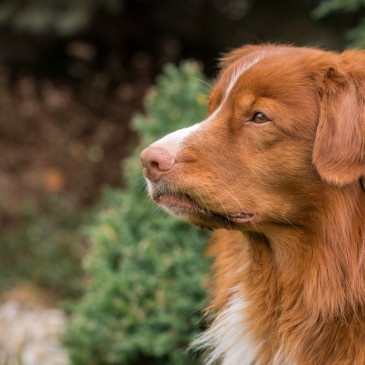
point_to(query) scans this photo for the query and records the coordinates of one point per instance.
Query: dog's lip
(176, 200)
(241, 217)
(189, 205)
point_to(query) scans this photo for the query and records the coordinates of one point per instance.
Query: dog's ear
(339, 148)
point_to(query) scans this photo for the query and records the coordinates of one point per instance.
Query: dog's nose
(156, 161)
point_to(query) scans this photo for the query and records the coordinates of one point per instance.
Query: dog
(276, 170)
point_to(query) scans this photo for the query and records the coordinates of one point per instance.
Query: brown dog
(276, 168)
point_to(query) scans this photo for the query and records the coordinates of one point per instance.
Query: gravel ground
(30, 335)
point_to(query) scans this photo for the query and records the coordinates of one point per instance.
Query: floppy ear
(339, 148)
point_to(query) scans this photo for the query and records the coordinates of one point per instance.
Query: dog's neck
(327, 257)
(301, 286)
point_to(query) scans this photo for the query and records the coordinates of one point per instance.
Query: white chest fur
(227, 338)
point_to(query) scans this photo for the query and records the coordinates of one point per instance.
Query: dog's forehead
(266, 70)
(230, 76)
(278, 80)
(235, 71)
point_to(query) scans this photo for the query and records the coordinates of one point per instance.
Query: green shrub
(356, 35)
(143, 302)
(41, 249)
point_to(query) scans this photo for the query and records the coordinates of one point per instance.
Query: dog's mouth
(186, 207)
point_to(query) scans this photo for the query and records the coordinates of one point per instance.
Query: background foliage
(344, 8)
(146, 269)
(63, 16)
(72, 73)
(46, 240)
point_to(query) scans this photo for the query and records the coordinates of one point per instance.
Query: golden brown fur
(300, 262)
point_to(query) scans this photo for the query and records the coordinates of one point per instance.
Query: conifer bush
(143, 303)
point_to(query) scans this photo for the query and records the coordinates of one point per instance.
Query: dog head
(283, 124)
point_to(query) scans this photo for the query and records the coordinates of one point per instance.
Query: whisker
(289, 222)
(142, 185)
(225, 211)
(233, 195)
(201, 201)
(205, 82)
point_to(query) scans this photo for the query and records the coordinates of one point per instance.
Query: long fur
(289, 286)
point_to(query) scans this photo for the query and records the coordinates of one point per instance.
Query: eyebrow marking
(239, 71)
(234, 78)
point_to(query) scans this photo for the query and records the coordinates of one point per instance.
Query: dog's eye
(260, 118)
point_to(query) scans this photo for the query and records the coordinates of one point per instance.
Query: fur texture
(284, 199)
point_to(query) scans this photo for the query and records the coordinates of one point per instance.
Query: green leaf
(146, 269)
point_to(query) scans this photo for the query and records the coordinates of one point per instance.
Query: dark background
(73, 72)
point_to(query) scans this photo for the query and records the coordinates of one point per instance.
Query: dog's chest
(230, 342)
(227, 339)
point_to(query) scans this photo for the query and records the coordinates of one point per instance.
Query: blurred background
(90, 273)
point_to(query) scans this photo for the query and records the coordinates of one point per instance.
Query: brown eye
(260, 118)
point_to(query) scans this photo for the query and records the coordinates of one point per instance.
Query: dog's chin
(186, 208)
